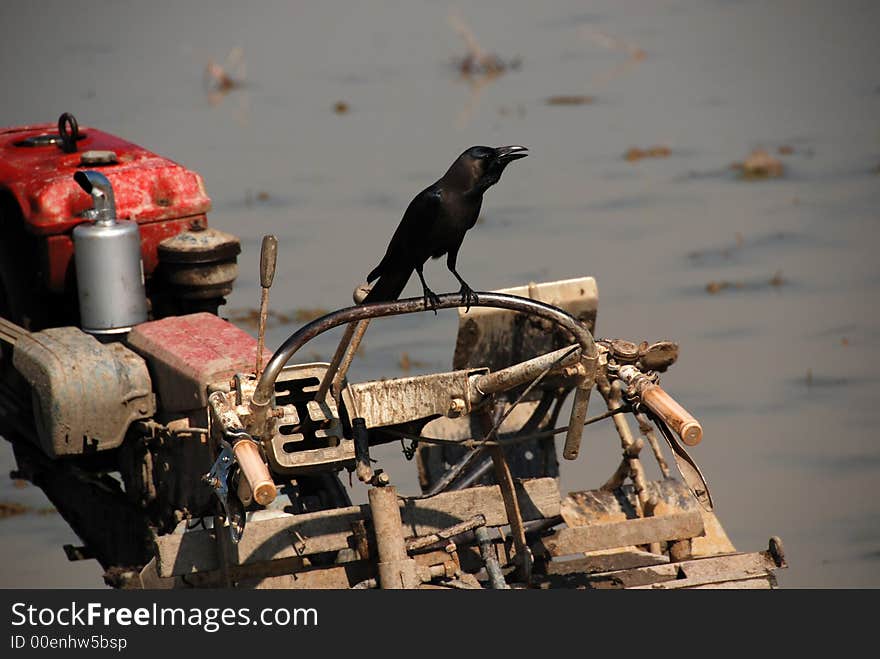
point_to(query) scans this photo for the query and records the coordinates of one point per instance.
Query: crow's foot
(432, 300)
(468, 296)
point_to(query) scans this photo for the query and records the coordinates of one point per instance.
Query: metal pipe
(330, 373)
(266, 385)
(359, 331)
(396, 568)
(490, 560)
(103, 202)
(345, 351)
(513, 376)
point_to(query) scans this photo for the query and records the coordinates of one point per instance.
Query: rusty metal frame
(260, 421)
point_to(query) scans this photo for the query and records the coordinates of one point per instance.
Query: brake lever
(220, 479)
(685, 464)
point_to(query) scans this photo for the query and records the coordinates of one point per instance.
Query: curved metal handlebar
(589, 353)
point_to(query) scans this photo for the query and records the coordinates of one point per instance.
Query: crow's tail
(390, 285)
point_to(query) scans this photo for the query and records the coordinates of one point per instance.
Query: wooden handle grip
(255, 471)
(676, 417)
(268, 257)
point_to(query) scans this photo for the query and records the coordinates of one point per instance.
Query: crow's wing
(408, 242)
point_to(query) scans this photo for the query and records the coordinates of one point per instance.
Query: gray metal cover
(109, 276)
(85, 393)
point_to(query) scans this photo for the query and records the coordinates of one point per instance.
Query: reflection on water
(713, 82)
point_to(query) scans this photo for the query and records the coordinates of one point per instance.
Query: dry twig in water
(220, 79)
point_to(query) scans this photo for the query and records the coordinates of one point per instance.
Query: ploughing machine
(183, 454)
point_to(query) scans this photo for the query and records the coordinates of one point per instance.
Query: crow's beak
(508, 153)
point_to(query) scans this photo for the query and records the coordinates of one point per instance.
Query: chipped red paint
(186, 353)
(163, 197)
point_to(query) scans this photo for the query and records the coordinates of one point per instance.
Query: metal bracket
(219, 478)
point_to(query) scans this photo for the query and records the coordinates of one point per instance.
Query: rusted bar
(623, 470)
(490, 559)
(268, 257)
(396, 569)
(514, 515)
(336, 386)
(445, 534)
(259, 420)
(512, 376)
(345, 352)
(338, 356)
(647, 430)
(613, 396)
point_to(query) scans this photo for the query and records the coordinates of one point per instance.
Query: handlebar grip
(268, 257)
(676, 417)
(255, 471)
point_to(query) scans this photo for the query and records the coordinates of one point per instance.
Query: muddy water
(782, 376)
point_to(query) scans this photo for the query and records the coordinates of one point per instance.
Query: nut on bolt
(457, 407)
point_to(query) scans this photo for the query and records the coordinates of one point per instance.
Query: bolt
(381, 479)
(456, 407)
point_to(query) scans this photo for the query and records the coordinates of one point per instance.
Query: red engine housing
(163, 197)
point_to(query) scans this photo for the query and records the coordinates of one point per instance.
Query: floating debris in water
(785, 150)
(13, 509)
(341, 107)
(478, 62)
(634, 154)
(262, 197)
(759, 165)
(715, 287)
(220, 79)
(573, 99)
(844, 341)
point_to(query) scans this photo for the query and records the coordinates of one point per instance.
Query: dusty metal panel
(86, 393)
(592, 506)
(308, 434)
(387, 402)
(643, 531)
(186, 353)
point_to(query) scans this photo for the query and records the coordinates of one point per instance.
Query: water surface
(786, 454)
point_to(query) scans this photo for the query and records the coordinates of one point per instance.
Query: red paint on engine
(163, 197)
(186, 353)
